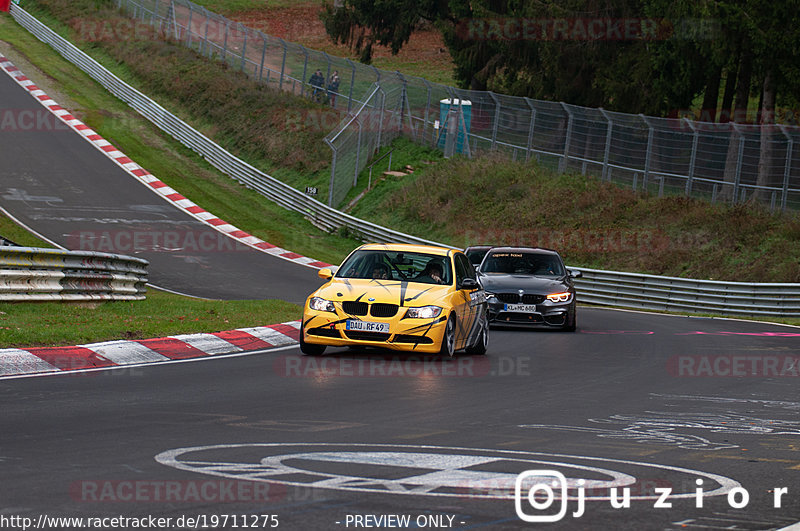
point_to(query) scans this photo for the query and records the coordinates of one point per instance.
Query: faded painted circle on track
(426, 470)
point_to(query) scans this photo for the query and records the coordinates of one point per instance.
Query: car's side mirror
(574, 273)
(469, 284)
(325, 273)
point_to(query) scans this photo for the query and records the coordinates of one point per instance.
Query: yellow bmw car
(402, 297)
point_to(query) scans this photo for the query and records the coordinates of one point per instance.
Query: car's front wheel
(572, 321)
(309, 349)
(449, 338)
(482, 341)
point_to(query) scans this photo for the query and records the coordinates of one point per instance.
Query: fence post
(263, 57)
(427, 108)
(189, 28)
(225, 41)
(647, 156)
(380, 116)
(305, 70)
(333, 173)
(352, 82)
(739, 156)
(530, 129)
(605, 174)
(496, 119)
(205, 36)
(562, 164)
(692, 159)
(283, 64)
(244, 48)
(358, 153)
(787, 167)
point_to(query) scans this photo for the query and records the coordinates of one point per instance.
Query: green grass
(161, 314)
(592, 223)
(11, 231)
(168, 160)
(226, 7)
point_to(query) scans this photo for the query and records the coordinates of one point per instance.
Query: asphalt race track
(645, 402)
(61, 186)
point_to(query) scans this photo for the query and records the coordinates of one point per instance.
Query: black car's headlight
(563, 296)
(321, 305)
(424, 312)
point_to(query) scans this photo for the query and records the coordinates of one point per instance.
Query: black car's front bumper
(547, 314)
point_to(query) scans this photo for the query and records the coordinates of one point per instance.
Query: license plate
(365, 326)
(523, 308)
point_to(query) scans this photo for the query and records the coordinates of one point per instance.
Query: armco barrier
(675, 294)
(608, 288)
(32, 274)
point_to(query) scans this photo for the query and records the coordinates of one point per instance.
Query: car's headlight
(564, 296)
(321, 305)
(424, 312)
(489, 295)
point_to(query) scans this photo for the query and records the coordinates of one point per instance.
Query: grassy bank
(592, 223)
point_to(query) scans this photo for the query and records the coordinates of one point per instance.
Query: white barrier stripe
(210, 344)
(125, 352)
(271, 336)
(16, 361)
(294, 324)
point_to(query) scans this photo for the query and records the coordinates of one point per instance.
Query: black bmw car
(528, 287)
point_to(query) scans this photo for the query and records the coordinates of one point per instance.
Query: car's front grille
(532, 299)
(383, 310)
(404, 338)
(355, 308)
(508, 298)
(366, 336)
(324, 332)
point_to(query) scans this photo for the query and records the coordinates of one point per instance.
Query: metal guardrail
(32, 274)
(608, 288)
(675, 294)
(318, 213)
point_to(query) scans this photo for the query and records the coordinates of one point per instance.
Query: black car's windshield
(397, 265)
(521, 263)
(476, 255)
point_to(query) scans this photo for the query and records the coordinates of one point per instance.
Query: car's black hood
(539, 285)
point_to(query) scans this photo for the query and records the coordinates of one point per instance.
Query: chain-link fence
(719, 162)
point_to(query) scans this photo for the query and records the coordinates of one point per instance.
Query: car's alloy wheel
(571, 324)
(449, 338)
(482, 341)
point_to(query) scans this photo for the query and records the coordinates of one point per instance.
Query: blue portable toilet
(466, 111)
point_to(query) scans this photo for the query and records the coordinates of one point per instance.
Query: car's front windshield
(397, 265)
(521, 263)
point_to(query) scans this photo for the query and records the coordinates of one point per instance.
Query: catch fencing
(31, 274)
(718, 162)
(609, 288)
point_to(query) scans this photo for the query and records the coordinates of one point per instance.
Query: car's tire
(449, 338)
(310, 349)
(482, 341)
(572, 321)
